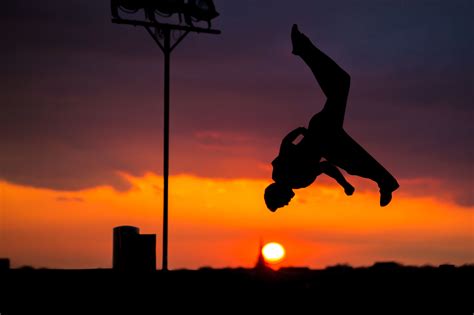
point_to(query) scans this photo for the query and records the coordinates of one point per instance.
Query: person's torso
(296, 166)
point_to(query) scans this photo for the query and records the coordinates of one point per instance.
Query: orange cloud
(219, 223)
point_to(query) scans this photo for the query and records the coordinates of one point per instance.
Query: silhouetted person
(294, 168)
(298, 165)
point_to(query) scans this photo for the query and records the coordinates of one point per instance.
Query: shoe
(385, 198)
(297, 40)
(349, 190)
(386, 192)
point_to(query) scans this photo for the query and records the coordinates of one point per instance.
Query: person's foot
(297, 40)
(385, 198)
(386, 193)
(349, 189)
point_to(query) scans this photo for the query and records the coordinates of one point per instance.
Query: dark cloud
(81, 97)
(69, 199)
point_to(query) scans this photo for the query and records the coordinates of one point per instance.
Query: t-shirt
(295, 167)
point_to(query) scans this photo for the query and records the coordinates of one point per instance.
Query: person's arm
(332, 171)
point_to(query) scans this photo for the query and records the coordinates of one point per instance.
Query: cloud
(327, 229)
(82, 98)
(69, 199)
(221, 140)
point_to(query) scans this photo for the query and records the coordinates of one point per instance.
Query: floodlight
(167, 7)
(192, 10)
(202, 10)
(128, 6)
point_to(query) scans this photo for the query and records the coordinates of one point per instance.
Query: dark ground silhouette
(298, 165)
(384, 288)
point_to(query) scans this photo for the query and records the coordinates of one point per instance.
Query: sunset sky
(81, 133)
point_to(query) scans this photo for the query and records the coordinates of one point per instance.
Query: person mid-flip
(298, 165)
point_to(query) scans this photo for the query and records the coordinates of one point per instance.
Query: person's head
(278, 195)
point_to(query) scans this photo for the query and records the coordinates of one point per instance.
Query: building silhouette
(4, 264)
(133, 251)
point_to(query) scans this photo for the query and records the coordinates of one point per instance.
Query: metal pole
(167, 53)
(167, 49)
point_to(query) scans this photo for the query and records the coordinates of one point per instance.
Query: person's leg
(334, 81)
(344, 152)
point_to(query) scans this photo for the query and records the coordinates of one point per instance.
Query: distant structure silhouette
(4, 264)
(298, 165)
(261, 264)
(133, 251)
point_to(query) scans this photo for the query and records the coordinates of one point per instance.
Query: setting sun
(273, 252)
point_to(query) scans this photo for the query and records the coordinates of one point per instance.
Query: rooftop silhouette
(386, 284)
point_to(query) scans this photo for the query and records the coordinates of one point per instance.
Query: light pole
(200, 10)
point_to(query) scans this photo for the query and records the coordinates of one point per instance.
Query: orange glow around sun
(218, 222)
(273, 252)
